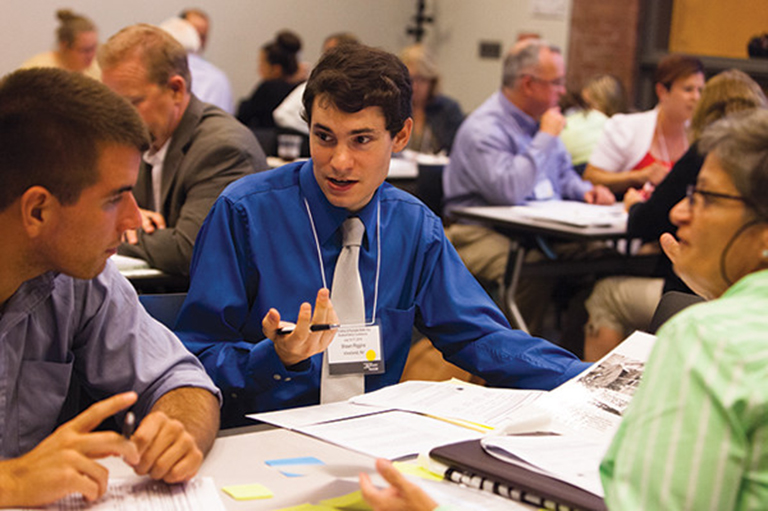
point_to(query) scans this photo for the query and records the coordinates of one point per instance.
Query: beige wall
(718, 28)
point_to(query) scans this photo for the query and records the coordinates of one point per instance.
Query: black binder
(469, 464)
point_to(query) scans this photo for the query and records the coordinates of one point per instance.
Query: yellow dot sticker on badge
(370, 355)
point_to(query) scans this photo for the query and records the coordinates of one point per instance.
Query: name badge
(356, 349)
(543, 190)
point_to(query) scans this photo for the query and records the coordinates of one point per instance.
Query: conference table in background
(148, 280)
(533, 225)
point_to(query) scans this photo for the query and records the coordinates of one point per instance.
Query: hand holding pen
(313, 332)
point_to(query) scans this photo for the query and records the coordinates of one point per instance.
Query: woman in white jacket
(639, 148)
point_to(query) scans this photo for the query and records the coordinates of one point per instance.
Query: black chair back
(670, 304)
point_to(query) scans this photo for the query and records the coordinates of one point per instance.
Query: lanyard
(378, 255)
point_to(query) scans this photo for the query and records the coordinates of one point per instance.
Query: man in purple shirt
(508, 152)
(69, 155)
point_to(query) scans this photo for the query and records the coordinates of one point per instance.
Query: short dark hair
(354, 77)
(161, 54)
(675, 67)
(53, 125)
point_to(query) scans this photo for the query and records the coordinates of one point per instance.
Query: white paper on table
(576, 461)
(294, 418)
(199, 494)
(390, 435)
(579, 214)
(402, 168)
(126, 263)
(593, 402)
(488, 407)
(585, 412)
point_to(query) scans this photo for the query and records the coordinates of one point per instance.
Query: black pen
(129, 425)
(319, 327)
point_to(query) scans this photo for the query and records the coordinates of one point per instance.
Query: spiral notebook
(469, 464)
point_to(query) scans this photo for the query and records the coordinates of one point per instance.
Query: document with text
(199, 494)
(577, 419)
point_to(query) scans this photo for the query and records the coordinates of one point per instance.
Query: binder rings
(469, 464)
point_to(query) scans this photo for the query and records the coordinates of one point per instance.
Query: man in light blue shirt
(272, 240)
(508, 152)
(69, 155)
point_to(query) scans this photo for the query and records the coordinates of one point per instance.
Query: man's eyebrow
(121, 190)
(360, 131)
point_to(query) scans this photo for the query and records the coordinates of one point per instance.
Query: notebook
(469, 464)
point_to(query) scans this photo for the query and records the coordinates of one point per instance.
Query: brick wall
(603, 39)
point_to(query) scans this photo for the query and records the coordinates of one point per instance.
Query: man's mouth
(341, 183)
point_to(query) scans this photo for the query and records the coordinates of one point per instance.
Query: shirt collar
(327, 217)
(158, 157)
(525, 121)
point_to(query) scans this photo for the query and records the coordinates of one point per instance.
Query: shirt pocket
(42, 389)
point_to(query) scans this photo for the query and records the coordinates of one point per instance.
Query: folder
(469, 464)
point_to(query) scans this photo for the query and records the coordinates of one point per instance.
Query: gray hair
(740, 142)
(524, 58)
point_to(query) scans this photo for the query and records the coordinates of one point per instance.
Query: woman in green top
(695, 436)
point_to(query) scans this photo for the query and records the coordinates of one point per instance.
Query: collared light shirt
(256, 250)
(500, 158)
(695, 436)
(56, 328)
(156, 160)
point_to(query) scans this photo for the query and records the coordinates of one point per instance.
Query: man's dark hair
(53, 125)
(354, 77)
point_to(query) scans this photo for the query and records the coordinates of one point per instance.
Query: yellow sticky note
(248, 491)
(413, 469)
(350, 502)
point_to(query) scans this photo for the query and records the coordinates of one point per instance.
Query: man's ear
(178, 86)
(401, 139)
(38, 207)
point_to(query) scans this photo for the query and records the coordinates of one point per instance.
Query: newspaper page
(579, 418)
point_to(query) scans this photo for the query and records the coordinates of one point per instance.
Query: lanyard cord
(378, 255)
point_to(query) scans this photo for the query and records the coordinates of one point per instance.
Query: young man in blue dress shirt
(271, 242)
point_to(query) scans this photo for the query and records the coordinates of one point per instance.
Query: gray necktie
(349, 303)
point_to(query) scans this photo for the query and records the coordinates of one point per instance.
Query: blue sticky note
(283, 462)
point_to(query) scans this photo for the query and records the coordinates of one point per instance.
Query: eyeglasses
(555, 82)
(691, 191)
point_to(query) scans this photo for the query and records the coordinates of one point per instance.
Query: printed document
(578, 419)
(199, 494)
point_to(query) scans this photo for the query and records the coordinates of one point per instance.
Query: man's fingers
(108, 443)
(130, 237)
(96, 413)
(270, 323)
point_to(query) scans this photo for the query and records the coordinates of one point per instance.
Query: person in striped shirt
(695, 436)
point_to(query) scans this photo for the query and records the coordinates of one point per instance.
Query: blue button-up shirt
(55, 328)
(500, 158)
(256, 250)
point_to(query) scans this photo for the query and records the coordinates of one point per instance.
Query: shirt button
(288, 379)
(277, 377)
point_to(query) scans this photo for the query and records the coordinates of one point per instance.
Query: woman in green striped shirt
(696, 433)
